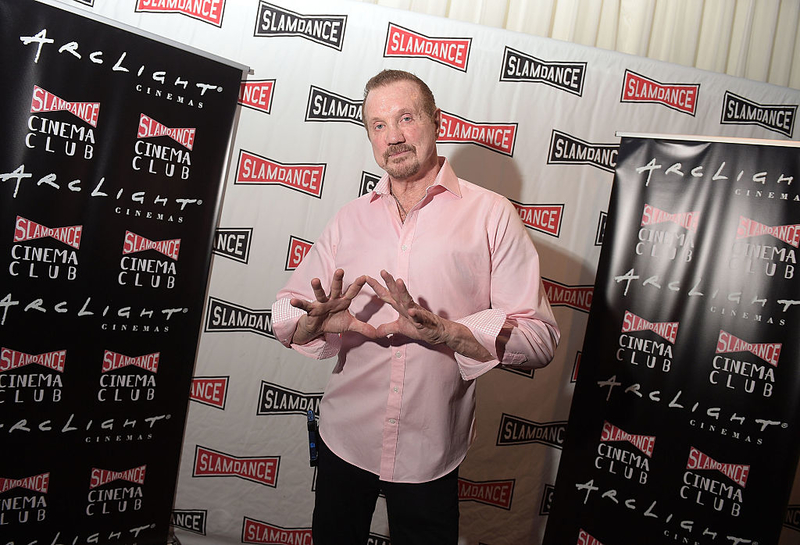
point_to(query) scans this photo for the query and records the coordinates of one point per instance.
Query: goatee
(405, 168)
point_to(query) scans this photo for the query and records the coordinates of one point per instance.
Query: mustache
(397, 148)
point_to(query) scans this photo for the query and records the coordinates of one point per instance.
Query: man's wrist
(302, 334)
(460, 339)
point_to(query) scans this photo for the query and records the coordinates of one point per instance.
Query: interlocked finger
(354, 288)
(402, 295)
(398, 292)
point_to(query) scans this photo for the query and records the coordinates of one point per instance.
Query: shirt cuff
(485, 327)
(284, 324)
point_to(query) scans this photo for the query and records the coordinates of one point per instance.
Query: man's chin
(402, 175)
(401, 170)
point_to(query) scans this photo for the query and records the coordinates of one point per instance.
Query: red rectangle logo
(12, 359)
(576, 297)
(677, 96)
(44, 101)
(258, 469)
(209, 11)
(257, 94)
(790, 234)
(402, 42)
(25, 229)
(36, 483)
(256, 170)
(136, 243)
(298, 248)
(545, 218)
(499, 137)
(134, 475)
(210, 391)
(113, 361)
(495, 493)
(150, 128)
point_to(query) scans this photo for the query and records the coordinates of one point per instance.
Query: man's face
(402, 135)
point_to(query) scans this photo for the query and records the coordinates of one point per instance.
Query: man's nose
(394, 135)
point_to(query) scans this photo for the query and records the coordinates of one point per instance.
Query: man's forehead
(398, 94)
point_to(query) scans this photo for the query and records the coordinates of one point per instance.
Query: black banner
(113, 150)
(683, 427)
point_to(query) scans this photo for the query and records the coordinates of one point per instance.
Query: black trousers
(419, 514)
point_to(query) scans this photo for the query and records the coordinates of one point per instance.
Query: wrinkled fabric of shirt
(399, 408)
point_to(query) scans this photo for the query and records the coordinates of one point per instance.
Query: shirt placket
(393, 417)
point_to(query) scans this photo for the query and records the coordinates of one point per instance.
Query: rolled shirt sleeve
(519, 329)
(319, 262)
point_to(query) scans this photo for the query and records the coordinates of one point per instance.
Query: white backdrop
(561, 118)
(753, 39)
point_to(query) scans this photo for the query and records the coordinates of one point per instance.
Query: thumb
(365, 329)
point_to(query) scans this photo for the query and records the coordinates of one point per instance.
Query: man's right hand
(330, 313)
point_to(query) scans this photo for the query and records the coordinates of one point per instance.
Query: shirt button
(392, 421)
(404, 247)
(395, 389)
(398, 354)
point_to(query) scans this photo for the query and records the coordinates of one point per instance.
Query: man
(460, 294)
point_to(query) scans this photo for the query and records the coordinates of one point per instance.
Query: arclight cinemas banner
(683, 426)
(113, 151)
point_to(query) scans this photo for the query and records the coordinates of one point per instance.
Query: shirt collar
(446, 178)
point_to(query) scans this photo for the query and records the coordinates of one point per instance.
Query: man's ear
(437, 120)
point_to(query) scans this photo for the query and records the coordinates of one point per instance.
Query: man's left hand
(420, 324)
(414, 321)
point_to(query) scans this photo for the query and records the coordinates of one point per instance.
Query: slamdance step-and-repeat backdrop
(531, 118)
(109, 194)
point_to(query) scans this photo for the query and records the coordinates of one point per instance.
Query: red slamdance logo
(738, 473)
(585, 538)
(678, 96)
(545, 218)
(113, 361)
(104, 476)
(495, 493)
(36, 483)
(790, 234)
(255, 531)
(645, 443)
(150, 128)
(137, 243)
(11, 359)
(25, 229)
(44, 101)
(259, 469)
(499, 137)
(769, 352)
(298, 248)
(577, 297)
(652, 215)
(257, 94)
(210, 391)
(256, 170)
(402, 42)
(209, 11)
(665, 330)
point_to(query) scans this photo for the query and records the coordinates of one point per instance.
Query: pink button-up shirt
(402, 409)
